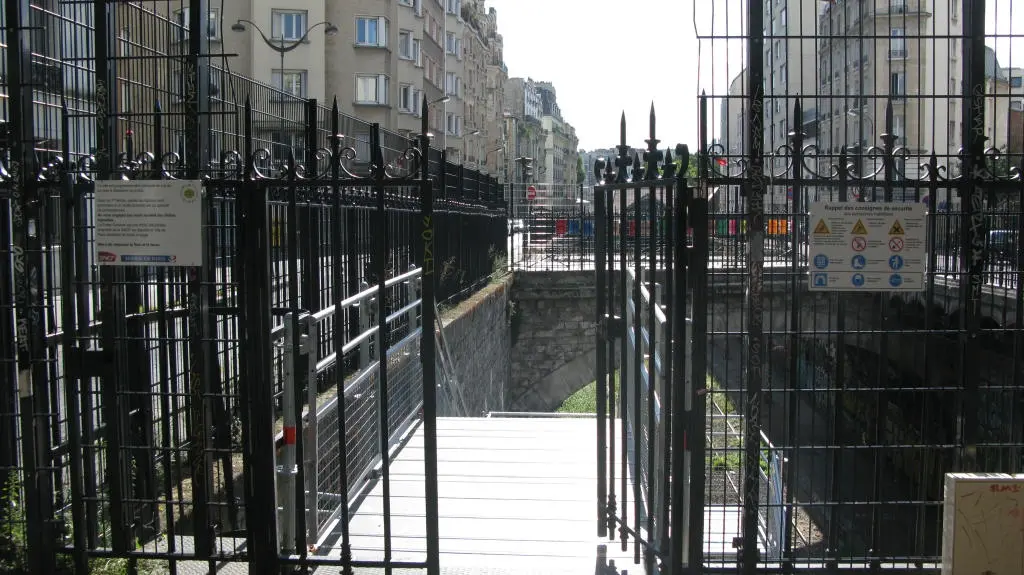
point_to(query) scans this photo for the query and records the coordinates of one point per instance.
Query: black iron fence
(817, 420)
(139, 403)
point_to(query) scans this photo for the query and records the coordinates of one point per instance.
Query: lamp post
(488, 154)
(444, 133)
(862, 142)
(465, 139)
(282, 47)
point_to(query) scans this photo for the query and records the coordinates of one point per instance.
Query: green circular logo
(189, 194)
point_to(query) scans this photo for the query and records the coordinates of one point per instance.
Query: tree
(581, 173)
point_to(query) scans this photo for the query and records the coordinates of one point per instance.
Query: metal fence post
(286, 470)
(27, 207)
(257, 397)
(658, 384)
(428, 345)
(754, 190)
(311, 450)
(603, 335)
(201, 328)
(973, 224)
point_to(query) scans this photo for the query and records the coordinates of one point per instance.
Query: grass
(585, 400)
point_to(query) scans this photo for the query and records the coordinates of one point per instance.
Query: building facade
(856, 57)
(540, 131)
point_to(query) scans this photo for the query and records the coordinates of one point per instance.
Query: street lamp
(441, 100)
(465, 139)
(858, 113)
(282, 47)
(488, 154)
(861, 144)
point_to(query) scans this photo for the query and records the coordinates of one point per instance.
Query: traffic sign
(531, 193)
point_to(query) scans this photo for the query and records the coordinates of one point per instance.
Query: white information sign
(867, 247)
(149, 223)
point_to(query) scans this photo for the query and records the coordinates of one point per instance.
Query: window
(405, 45)
(452, 84)
(288, 24)
(372, 90)
(898, 85)
(900, 6)
(417, 53)
(1017, 105)
(410, 100)
(291, 82)
(371, 31)
(453, 45)
(1017, 82)
(212, 27)
(782, 18)
(897, 43)
(294, 142)
(455, 7)
(406, 97)
(181, 86)
(899, 128)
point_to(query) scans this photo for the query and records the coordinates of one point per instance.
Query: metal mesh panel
(869, 397)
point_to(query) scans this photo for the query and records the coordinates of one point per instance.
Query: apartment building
(526, 133)
(541, 132)
(854, 57)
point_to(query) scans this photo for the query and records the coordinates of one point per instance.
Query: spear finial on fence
(797, 135)
(653, 155)
(623, 161)
(670, 167)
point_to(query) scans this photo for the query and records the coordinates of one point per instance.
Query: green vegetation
(14, 544)
(585, 400)
(499, 264)
(731, 459)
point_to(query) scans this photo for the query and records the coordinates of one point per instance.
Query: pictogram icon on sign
(897, 229)
(859, 244)
(860, 229)
(820, 280)
(895, 280)
(821, 261)
(896, 262)
(859, 262)
(858, 280)
(896, 244)
(531, 193)
(822, 228)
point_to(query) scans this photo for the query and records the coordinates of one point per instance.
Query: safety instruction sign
(149, 222)
(867, 247)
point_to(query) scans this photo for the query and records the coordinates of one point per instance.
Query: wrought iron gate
(184, 417)
(764, 426)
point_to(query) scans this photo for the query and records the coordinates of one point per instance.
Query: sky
(606, 57)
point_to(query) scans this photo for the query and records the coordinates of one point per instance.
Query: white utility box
(983, 524)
